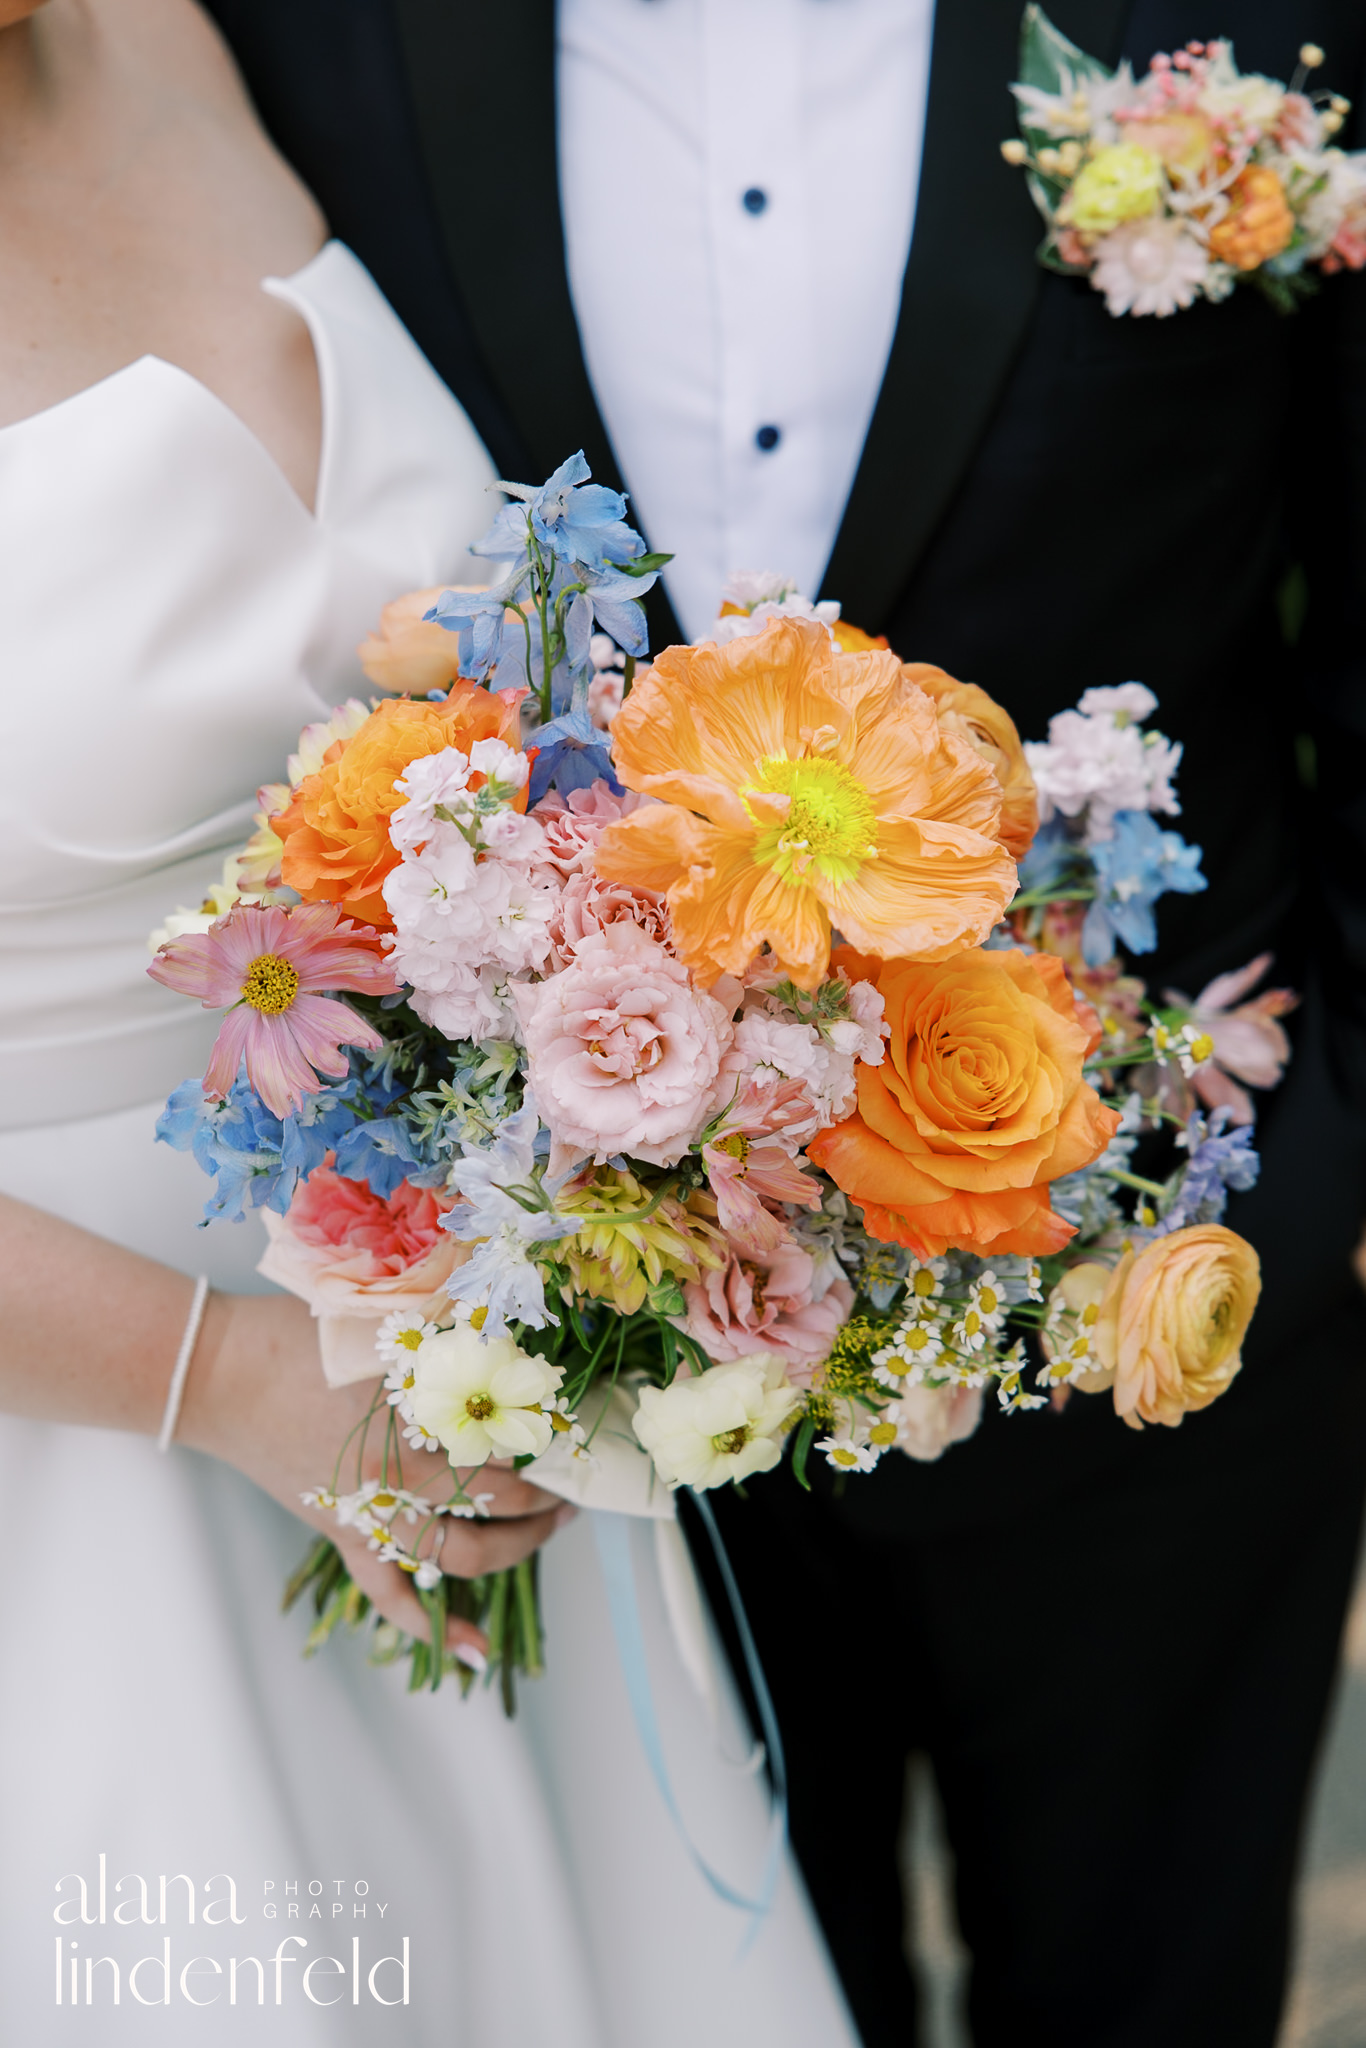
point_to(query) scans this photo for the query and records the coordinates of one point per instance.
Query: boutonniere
(1180, 184)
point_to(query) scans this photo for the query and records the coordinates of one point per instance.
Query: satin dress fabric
(172, 615)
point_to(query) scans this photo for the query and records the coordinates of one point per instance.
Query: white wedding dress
(170, 615)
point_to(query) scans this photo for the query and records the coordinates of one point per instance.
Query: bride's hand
(256, 1397)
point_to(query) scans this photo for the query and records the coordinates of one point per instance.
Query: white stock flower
(1097, 760)
(484, 1397)
(762, 595)
(723, 1424)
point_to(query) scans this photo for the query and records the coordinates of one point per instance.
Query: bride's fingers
(511, 1494)
(391, 1593)
(473, 1548)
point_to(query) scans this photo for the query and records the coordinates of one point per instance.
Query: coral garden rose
(355, 1257)
(800, 788)
(765, 1305)
(1169, 1334)
(336, 828)
(572, 823)
(588, 904)
(977, 1106)
(623, 1053)
(967, 710)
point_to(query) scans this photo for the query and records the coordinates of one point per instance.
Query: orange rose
(336, 829)
(967, 711)
(1257, 225)
(979, 1104)
(408, 653)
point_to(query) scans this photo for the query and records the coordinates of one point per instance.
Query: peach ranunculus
(966, 710)
(336, 828)
(1172, 1321)
(800, 788)
(355, 1256)
(978, 1105)
(407, 652)
(1257, 225)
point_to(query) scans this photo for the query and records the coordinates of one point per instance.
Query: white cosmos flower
(1151, 265)
(725, 1423)
(483, 1396)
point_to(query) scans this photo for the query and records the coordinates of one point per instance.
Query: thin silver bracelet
(175, 1393)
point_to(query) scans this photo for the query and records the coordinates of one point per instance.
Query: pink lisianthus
(268, 968)
(750, 1164)
(763, 1304)
(588, 904)
(1249, 1043)
(623, 1052)
(574, 823)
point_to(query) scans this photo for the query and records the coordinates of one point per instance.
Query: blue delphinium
(1222, 1162)
(1132, 869)
(571, 567)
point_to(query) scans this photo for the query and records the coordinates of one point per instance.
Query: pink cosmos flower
(575, 823)
(762, 1304)
(750, 1164)
(268, 967)
(623, 1052)
(1249, 1044)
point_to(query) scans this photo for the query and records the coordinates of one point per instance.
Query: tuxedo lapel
(970, 287)
(482, 74)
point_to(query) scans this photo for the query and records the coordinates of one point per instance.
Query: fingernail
(466, 1653)
(565, 1514)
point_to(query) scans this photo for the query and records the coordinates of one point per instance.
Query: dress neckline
(290, 289)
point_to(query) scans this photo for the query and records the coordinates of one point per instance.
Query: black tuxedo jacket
(1048, 498)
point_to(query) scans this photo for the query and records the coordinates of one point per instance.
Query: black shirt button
(768, 438)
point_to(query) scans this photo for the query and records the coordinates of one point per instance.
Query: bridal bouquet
(1175, 186)
(653, 1068)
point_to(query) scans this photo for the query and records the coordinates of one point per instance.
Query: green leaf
(643, 565)
(1048, 60)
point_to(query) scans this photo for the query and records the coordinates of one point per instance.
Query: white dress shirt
(738, 179)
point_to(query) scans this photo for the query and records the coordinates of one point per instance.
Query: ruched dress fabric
(171, 614)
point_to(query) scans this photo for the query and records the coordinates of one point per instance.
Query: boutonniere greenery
(1181, 184)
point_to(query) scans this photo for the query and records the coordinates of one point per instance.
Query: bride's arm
(89, 1334)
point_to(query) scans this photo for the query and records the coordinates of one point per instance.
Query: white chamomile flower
(1188, 1047)
(925, 1279)
(1012, 1396)
(398, 1337)
(971, 1330)
(320, 1497)
(847, 1456)
(421, 1439)
(474, 1507)
(987, 1300)
(915, 1347)
(565, 1422)
(1034, 1281)
(426, 1574)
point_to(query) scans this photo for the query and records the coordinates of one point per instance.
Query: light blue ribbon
(613, 1535)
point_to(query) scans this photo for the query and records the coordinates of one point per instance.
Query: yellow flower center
(732, 1441)
(841, 1454)
(990, 1300)
(923, 1283)
(882, 1433)
(411, 1340)
(271, 984)
(736, 1145)
(916, 1340)
(830, 827)
(479, 1407)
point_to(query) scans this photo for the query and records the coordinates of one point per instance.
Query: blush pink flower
(587, 904)
(268, 968)
(348, 1251)
(1249, 1043)
(574, 823)
(750, 1165)
(762, 1305)
(623, 1052)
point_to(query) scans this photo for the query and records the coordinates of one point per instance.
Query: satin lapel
(482, 74)
(970, 286)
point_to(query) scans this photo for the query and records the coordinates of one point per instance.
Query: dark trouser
(1118, 1651)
